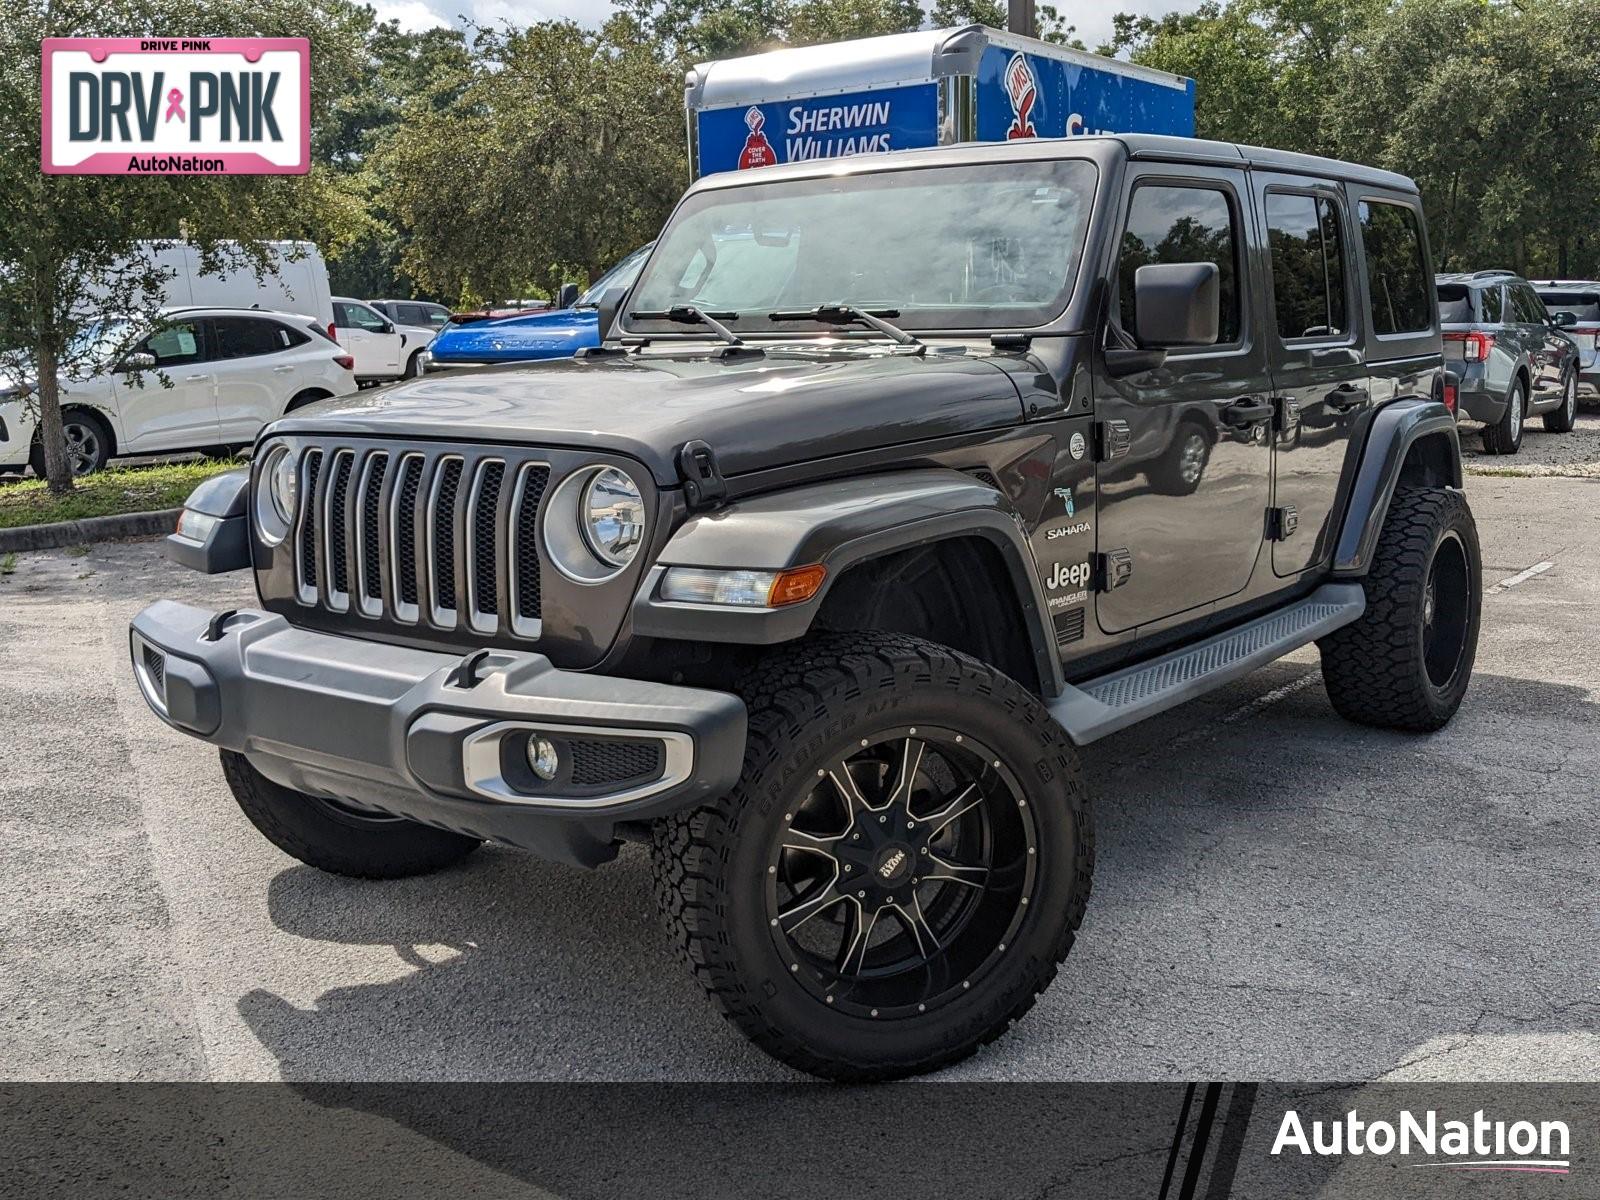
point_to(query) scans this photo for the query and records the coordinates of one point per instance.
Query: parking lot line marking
(1267, 699)
(1520, 577)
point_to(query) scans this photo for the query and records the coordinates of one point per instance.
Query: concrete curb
(90, 529)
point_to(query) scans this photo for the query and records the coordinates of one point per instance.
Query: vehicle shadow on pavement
(506, 968)
(1281, 895)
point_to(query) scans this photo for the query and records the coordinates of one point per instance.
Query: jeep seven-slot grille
(421, 538)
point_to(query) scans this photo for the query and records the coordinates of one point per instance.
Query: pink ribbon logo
(175, 105)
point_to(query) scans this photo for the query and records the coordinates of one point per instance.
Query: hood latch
(703, 485)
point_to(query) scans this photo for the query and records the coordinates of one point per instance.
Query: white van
(296, 282)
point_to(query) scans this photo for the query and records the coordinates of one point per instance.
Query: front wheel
(1561, 420)
(900, 869)
(1407, 662)
(87, 442)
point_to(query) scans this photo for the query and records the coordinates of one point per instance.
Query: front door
(175, 412)
(1185, 453)
(1319, 378)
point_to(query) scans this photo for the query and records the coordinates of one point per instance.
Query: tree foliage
(72, 252)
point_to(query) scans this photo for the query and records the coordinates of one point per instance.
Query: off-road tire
(1375, 670)
(1561, 420)
(805, 703)
(335, 839)
(1505, 435)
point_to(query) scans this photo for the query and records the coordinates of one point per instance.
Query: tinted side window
(1182, 224)
(1530, 309)
(1396, 267)
(410, 314)
(247, 337)
(1308, 269)
(438, 316)
(1491, 300)
(175, 344)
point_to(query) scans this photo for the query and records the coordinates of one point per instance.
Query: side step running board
(1101, 706)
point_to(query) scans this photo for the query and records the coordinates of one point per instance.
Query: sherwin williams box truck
(909, 91)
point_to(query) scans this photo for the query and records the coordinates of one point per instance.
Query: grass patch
(129, 490)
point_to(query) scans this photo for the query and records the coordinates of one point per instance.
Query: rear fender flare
(1395, 430)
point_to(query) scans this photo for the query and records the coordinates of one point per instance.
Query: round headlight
(283, 484)
(611, 514)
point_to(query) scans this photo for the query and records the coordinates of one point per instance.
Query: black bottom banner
(924, 1141)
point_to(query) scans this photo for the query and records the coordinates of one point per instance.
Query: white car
(382, 349)
(231, 371)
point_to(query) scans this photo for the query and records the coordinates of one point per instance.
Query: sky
(1092, 19)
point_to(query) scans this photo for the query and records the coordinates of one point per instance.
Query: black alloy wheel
(902, 872)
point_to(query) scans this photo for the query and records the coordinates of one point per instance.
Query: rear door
(1185, 454)
(1319, 378)
(256, 372)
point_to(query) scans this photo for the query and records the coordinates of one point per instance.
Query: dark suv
(1510, 357)
(819, 574)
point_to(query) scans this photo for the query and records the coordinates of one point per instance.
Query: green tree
(565, 151)
(72, 256)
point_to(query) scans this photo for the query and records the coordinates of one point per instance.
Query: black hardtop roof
(1138, 146)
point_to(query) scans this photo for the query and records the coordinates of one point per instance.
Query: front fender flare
(838, 523)
(1393, 431)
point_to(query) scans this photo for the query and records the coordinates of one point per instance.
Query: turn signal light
(1475, 347)
(796, 585)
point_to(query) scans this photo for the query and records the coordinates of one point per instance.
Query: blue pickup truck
(550, 333)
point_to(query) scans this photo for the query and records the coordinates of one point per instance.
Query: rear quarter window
(1584, 306)
(1396, 268)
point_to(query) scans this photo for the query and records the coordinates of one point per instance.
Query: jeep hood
(755, 412)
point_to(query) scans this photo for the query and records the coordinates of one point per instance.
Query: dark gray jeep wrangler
(899, 480)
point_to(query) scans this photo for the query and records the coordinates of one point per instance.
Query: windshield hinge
(1018, 342)
(703, 485)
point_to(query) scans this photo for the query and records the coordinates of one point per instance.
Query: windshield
(99, 341)
(621, 275)
(943, 247)
(1585, 306)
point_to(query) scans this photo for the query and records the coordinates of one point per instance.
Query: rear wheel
(1561, 420)
(309, 396)
(340, 838)
(1407, 662)
(901, 868)
(1505, 435)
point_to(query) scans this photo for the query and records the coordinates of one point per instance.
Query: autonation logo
(1480, 1144)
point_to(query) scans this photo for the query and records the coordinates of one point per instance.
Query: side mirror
(610, 305)
(1176, 304)
(1563, 319)
(567, 296)
(139, 362)
(388, 327)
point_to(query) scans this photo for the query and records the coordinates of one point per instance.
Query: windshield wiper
(689, 314)
(849, 314)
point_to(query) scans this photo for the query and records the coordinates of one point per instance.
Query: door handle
(1243, 413)
(284, 370)
(195, 378)
(1346, 395)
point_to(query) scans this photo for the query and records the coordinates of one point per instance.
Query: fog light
(543, 760)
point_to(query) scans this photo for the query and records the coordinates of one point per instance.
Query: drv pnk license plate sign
(177, 106)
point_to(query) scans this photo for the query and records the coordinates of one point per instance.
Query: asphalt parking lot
(1278, 895)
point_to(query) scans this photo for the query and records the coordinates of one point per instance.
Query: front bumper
(438, 738)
